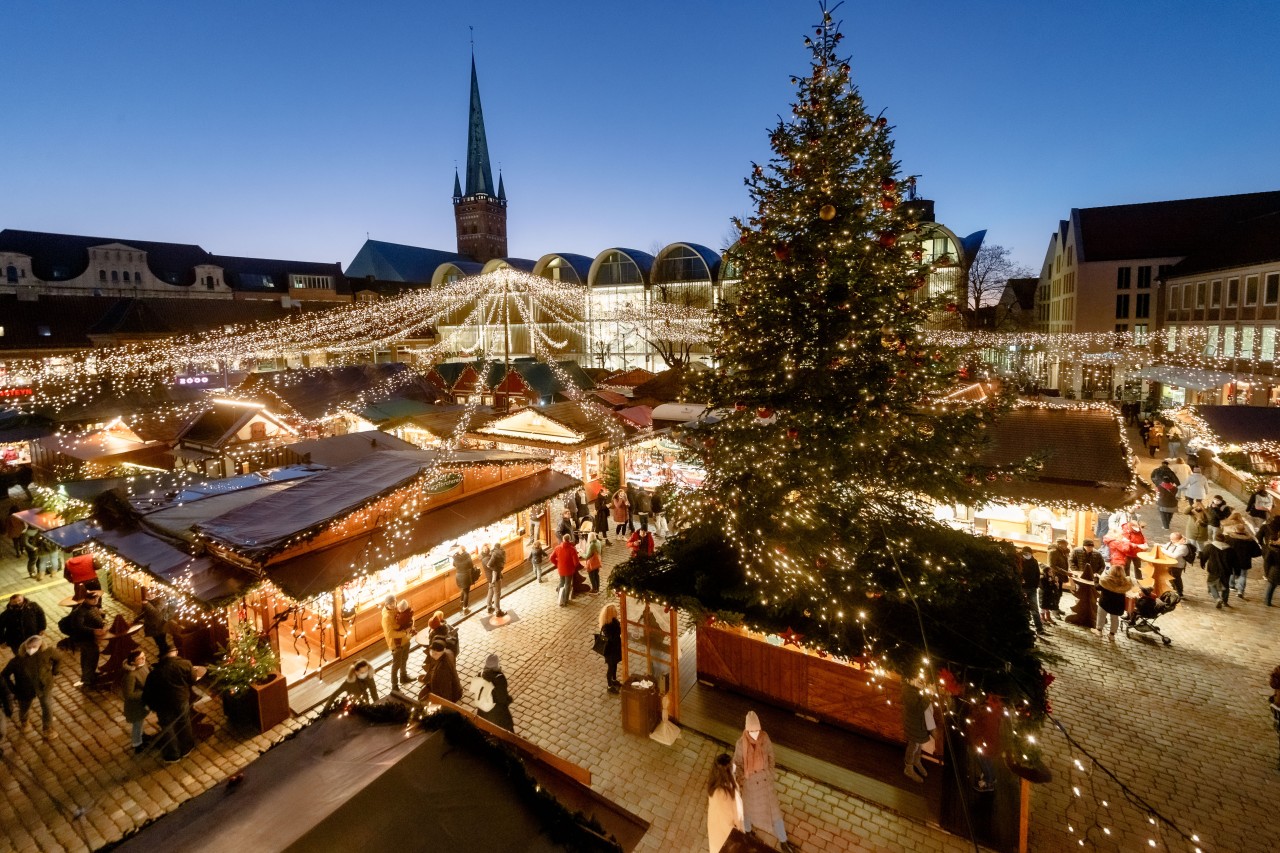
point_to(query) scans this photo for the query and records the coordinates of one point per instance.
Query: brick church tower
(480, 215)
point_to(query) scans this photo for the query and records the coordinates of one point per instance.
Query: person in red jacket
(1124, 545)
(641, 542)
(565, 559)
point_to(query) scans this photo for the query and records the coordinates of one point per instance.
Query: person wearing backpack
(1184, 552)
(493, 699)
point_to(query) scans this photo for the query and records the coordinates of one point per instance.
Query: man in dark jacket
(168, 693)
(20, 620)
(567, 527)
(1166, 483)
(30, 677)
(440, 673)
(464, 575)
(493, 575)
(1029, 574)
(1086, 562)
(86, 620)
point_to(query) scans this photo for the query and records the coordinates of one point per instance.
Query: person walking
(1166, 483)
(1155, 439)
(591, 561)
(754, 773)
(167, 691)
(154, 618)
(724, 803)
(493, 698)
(657, 515)
(440, 674)
(397, 639)
(1219, 562)
(601, 519)
(359, 684)
(21, 619)
(1243, 542)
(1180, 469)
(464, 575)
(1216, 512)
(1174, 435)
(1112, 589)
(493, 575)
(611, 627)
(1195, 486)
(1271, 570)
(6, 710)
(85, 621)
(620, 509)
(1198, 527)
(567, 526)
(643, 506)
(1182, 551)
(1259, 505)
(1029, 574)
(538, 558)
(565, 559)
(29, 676)
(136, 669)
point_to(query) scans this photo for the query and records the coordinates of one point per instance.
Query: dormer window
(102, 275)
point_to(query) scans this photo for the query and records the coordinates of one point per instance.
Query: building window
(1142, 307)
(1246, 342)
(1268, 344)
(1144, 277)
(1122, 328)
(1272, 290)
(1122, 305)
(1233, 292)
(1215, 294)
(257, 431)
(311, 282)
(115, 276)
(1139, 334)
(1251, 291)
(1171, 340)
(1210, 340)
(1229, 342)
(102, 275)
(1122, 278)
(1199, 294)
(126, 275)
(1188, 296)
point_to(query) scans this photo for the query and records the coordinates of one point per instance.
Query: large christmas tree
(815, 518)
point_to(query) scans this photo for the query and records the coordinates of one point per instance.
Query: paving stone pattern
(1185, 726)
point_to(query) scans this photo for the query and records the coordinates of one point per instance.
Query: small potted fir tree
(248, 680)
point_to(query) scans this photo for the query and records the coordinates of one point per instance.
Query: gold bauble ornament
(827, 212)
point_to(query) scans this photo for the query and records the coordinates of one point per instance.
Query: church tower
(480, 214)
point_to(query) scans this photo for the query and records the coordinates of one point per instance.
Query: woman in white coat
(724, 803)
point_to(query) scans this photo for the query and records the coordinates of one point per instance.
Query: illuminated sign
(15, 392)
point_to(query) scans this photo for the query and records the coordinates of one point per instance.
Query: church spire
(457, 187)
(479, 172)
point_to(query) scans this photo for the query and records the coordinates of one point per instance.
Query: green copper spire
(479, 172)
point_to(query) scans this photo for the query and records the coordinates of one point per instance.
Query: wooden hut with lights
(94, 454)
(1236, 446)
(308, 556)
(234, 437)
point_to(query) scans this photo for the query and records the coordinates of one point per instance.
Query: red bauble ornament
(708, 443)
(793, 433)
(888, 186)
(952, 307)
(888, 202)
(758, 171)
(888, 239)
(918, 282)
(764, 413)
(882, 122)
(745, 238)
(917, 256)
(739, 407)
(992, 476)
(845, 69)
(782, 252)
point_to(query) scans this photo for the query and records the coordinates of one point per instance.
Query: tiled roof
(1163, 229)
(59, 257)
(629, 378)
(1083, 456)
(398, 262)
(316, 392)
(1241, 424)
(1241, 244)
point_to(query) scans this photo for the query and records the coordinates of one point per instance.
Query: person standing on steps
(464, 575)
(754, 771)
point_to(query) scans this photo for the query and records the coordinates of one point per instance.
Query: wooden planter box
(262, 707)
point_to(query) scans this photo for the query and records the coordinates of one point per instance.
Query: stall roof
(18, 426)
(1241, 424)
(442, 424)
(93, 446)
(680, 413)
(641, 416)
(338, 450)
(200, 577)
(73, 535)
(179, 519)
(264, 526)
(317, 572)
(558, 426)
(1085, 460)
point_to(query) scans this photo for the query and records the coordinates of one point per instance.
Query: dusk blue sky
(290, 129)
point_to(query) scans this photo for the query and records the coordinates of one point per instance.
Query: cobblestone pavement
(1185, 726)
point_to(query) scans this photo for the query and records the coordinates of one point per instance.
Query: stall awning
(199, 577)
(320, 571)
(1195, 378)
(73, 535)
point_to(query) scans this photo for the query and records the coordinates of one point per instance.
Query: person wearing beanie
(493, 699)
(438, 626)
(440, 674)
(754, 770)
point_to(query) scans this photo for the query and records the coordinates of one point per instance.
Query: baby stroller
(1147, 609)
